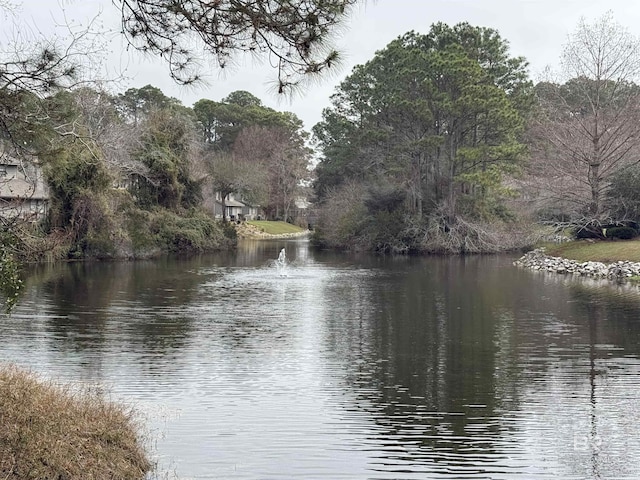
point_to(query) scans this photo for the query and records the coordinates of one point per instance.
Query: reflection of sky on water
(350, 366)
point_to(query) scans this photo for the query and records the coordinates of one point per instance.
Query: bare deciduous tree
(588, 127)
(233, 173)
(101, 129)
(283, 160)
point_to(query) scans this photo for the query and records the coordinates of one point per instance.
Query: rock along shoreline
(538, 260)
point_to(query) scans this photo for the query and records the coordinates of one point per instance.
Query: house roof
(234, 203)
(302, 203)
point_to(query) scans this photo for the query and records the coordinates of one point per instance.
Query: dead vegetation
(48, 431)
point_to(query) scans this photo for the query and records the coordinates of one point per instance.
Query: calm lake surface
(348, 367)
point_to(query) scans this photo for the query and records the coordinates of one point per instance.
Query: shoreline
(246, 231)
(538, 260)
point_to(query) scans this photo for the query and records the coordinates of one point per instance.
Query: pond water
(348, 367)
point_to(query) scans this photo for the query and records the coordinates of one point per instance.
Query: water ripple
(349, 367)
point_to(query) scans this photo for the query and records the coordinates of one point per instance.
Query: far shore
(269, 230)
(268, 236)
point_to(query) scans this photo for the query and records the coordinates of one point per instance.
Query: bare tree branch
(588, 127)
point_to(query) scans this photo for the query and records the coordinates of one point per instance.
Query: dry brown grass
(55, 432)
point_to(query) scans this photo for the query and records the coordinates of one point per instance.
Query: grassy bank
(597, 251)
(275, 228)
(53, 432)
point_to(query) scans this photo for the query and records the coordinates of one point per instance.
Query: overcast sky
(535, 29)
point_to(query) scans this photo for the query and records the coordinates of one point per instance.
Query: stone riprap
(538, 260)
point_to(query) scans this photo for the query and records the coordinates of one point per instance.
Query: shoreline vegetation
(66, 432)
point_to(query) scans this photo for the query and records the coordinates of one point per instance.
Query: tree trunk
(594, 183)
(224, 208)
(594, 171)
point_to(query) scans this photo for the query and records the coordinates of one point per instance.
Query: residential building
(236, 208)
(23, 192)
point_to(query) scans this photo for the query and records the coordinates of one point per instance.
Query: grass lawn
(598, 251)
(275, 228)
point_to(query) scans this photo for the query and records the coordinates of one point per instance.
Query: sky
(535, 29)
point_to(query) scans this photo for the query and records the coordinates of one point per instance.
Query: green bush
(383, 232)
(622, 233)
(341, 217)
(194, 232)
(229, 231)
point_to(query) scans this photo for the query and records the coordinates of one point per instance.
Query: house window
(3, 171)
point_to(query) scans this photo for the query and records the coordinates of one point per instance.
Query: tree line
(442, 143)
(100, 151)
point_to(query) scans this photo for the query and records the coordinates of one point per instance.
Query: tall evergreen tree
(438, 116)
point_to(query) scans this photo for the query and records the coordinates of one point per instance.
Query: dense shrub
(589, 231)
(230, 231)
(361, 217)
(623, 195)
(621, 230)
(93, 225)
(341, 215)
(622, 233)
(169, 232)
(72, 175)
(472, 236)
